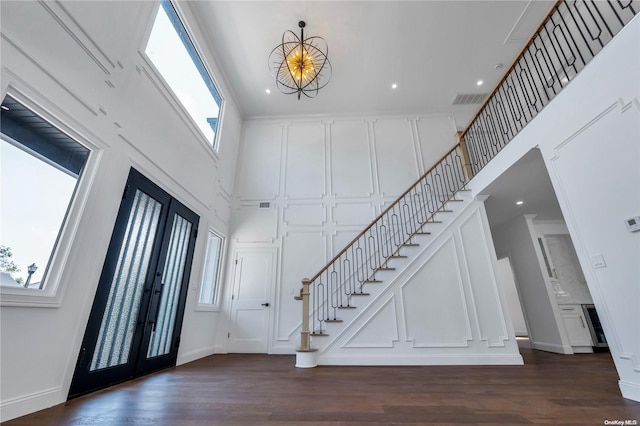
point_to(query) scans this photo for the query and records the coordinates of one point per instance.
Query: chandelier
(300, 65)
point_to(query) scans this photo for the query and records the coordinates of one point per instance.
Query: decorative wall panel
(437, 135)
(304, 214)
(261, 156)
(305, 167)
(380, 331)
(255, 225)
(351, 173)
(395, 155)
(353, 214)
(303, 254)
(433, 301)
(483, 281)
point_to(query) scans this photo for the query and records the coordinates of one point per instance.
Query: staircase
(567, 39)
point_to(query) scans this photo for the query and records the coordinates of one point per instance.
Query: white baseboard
(420, 359)
(552, 347)
(630, 390)
(22, 405)
(194, 355)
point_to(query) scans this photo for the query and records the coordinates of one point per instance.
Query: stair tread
(360, 294)
(346, 307)
(386, 268)
(318, 334)
(333, 320)
(372, 281)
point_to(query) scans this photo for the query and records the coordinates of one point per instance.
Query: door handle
(266, 304)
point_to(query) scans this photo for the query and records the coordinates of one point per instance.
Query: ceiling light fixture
(268, 91)
(479, 83)
(300, 65)
(394, 86)
(519, 203)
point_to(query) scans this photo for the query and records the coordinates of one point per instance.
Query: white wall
(517, 240)
(79, 65)
(507, 284)
(326, 179)
(589, 138)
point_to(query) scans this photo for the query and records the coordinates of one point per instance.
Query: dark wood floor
(269, 390)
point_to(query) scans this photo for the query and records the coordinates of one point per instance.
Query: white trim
(25, 404)
(629, 390)
(195, 355)
(420, 359)
(552, 347)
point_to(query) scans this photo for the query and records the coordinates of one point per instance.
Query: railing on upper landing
(567, 39)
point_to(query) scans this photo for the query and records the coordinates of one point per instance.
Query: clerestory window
(174, 55)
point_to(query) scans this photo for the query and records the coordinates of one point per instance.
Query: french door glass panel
(121, 313)
(162, 334)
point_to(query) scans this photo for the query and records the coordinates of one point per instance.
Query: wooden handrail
(373, 222)
(514, 63)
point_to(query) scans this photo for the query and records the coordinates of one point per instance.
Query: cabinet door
(576, 326)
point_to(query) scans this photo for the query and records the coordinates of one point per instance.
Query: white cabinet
(576, 326)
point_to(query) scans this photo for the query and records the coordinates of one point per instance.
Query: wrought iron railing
(346, 275)
(571, 35)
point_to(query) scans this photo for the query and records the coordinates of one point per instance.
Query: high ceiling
(527, 180)
(433, 50)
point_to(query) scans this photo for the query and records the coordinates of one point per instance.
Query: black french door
(136, 318)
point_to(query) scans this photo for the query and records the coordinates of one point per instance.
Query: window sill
(31, 298)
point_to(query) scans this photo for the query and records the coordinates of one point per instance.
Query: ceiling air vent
(265, 205)
(469, 98)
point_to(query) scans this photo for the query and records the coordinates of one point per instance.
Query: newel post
(305, 357)
(466, 162)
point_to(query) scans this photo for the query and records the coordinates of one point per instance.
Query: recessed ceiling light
(268, 91)
(394, 86)
(479, 83)
(519, 203)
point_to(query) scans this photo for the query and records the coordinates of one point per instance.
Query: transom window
(172, 52)
(40, 167)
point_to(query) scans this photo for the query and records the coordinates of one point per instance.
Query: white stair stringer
(440, 305)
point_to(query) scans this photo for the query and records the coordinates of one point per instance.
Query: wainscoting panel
(436, 136)
(255, 225)
(395, 155)
(482, 278)
(261, 154)
(433, 301)
(351, 173)
(379, 331)
(301, 252)
(305, 166)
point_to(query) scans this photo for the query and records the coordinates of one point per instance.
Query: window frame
(164, 87)
(215, 304)
(52, 293)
